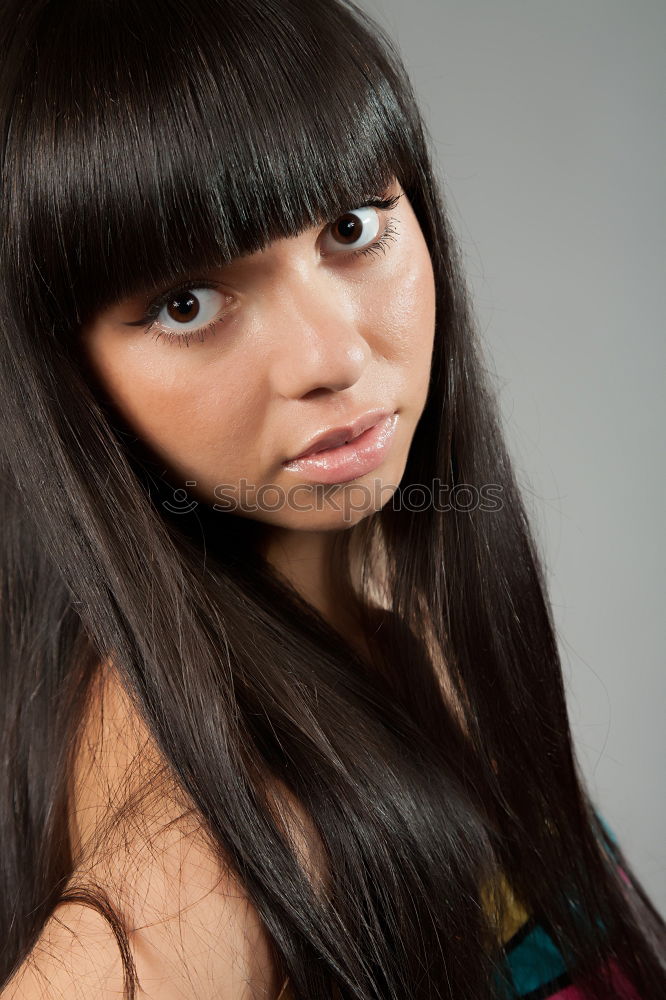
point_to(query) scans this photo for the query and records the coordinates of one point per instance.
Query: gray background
(547, 121)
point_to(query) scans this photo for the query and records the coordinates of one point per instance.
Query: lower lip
(351, 460)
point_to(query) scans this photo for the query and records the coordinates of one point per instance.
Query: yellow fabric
(514, 913)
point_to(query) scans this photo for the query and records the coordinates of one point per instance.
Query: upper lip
(336, 436)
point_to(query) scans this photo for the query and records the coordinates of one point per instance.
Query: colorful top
(535, 968)
(534, 965)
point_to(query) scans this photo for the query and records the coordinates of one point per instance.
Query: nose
(316, 336)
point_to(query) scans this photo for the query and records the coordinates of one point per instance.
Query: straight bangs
(167, 139)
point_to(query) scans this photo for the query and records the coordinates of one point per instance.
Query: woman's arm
(193, 932)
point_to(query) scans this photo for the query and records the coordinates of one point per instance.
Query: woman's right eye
(192, 310)
(188, 308)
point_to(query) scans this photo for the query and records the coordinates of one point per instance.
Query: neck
(303, 558)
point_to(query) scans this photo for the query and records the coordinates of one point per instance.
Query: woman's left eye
(356, 232)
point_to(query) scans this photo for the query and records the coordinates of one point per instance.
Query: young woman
(282, 709)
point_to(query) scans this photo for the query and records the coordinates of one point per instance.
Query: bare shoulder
(193, 931)
(75, 957)
(212, 953)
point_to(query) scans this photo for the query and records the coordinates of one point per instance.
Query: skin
(312, 336)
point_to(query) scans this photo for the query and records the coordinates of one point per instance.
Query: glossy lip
(351, 460)
(341, 435)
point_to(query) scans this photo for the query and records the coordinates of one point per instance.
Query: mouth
(337, 436)
(332, 459)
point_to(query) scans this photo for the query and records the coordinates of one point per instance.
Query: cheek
(198, 411)
(409, 309)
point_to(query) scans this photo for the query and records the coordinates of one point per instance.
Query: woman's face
(305, 337)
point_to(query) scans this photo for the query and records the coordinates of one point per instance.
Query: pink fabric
(625, 990)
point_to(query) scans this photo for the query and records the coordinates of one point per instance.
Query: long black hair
(141, 142)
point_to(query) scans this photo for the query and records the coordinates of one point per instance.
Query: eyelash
(381, 243)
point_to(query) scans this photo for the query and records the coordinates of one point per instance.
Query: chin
(340, 506)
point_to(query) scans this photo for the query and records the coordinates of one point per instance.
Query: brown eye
(188, 312)
(354, 230)
(183, 307)
(348, 228)
(190, 308)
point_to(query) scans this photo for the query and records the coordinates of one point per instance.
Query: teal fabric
(532, 965)
(535, 961)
